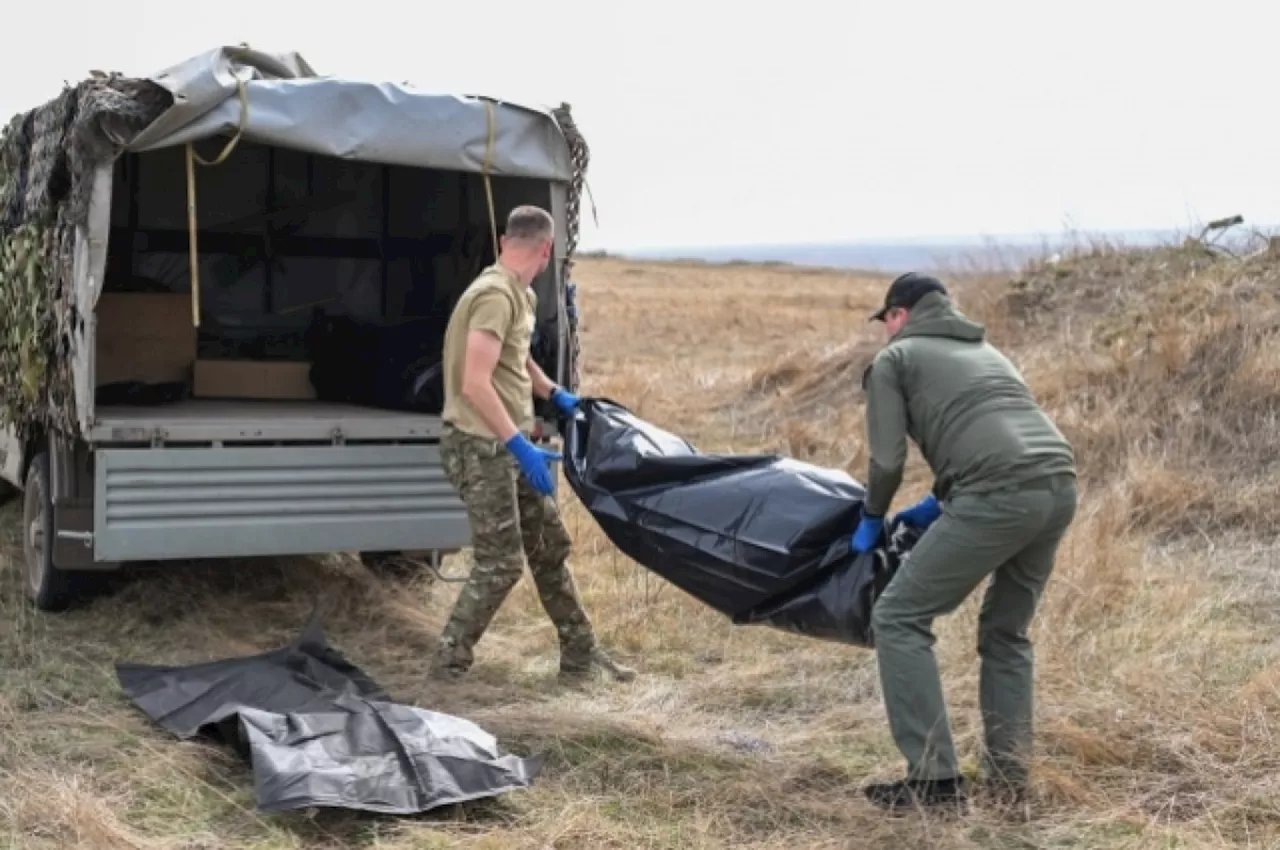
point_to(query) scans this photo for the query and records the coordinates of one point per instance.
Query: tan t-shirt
(498, 302)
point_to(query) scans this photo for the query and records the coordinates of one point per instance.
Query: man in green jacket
(1004, 494)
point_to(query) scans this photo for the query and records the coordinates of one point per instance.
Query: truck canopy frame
(57, 170)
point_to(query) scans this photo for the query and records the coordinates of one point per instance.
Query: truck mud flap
(175, 503)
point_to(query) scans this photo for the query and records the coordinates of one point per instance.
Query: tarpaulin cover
(760, 538)
(319, 732)
(290, 105)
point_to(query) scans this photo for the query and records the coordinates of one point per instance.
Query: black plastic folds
(320, 733)
(761, 538)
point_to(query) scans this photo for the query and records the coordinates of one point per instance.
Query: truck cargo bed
(244, 500)
(210, 421)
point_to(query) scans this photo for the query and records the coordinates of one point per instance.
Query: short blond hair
(530, 224)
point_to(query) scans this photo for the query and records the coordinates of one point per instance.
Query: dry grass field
(1158, 644)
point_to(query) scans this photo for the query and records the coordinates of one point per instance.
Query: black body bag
(759, 538)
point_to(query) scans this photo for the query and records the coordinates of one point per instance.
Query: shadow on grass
(346, 828)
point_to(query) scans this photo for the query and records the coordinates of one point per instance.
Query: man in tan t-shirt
(505, 481)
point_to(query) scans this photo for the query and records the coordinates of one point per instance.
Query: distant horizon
(921, 252)
(1013, 237)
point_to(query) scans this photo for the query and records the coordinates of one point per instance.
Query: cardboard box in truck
(146, 337)
(253, 379)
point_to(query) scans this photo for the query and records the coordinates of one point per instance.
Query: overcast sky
(803, 121)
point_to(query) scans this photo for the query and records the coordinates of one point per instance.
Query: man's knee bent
(496, 537)
(546, 541)
(550, 553)
(889, 619)
(557, 547)
(1001, 642)
(497, 571)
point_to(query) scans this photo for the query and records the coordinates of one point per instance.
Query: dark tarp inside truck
(320, 733)
(760, 538)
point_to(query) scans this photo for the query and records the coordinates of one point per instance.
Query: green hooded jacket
(962, 402)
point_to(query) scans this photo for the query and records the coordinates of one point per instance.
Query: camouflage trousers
(510, 523)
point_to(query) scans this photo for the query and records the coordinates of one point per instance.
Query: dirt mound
(1112, 288)
(1163, 366)
(1161, 359)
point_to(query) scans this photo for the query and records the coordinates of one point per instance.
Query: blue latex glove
(534, 463)
(921, 515)
(566, 401)
(868, 533)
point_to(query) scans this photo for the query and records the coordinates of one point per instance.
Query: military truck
(223, 292)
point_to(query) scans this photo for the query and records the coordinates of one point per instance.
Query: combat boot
(444, 671)
(575, 667)
(452, 659)
(938, 795)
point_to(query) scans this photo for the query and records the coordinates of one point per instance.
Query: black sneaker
(919, 795)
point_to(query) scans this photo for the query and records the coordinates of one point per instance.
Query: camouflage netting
(47, 160)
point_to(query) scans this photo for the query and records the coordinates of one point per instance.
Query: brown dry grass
(1159, 676)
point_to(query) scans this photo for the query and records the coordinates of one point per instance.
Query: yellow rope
(191, 236)
(488, 188)
(235, 140)
(192, 223)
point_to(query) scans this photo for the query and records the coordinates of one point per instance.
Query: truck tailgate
(175, 503)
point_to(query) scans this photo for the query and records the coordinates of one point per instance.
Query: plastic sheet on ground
(760, 538)
(320, 733)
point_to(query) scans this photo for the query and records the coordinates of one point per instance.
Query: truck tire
(48, 588)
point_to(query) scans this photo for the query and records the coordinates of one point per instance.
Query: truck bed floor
(213, 420)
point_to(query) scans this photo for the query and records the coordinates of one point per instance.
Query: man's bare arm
(542, 385)
(483, 350)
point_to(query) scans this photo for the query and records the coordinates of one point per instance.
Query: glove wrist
(565, 401)
(517, 442)
(920, 515)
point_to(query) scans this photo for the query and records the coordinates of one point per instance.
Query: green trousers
(1012, 536)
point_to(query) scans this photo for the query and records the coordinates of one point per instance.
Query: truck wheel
(48, 588)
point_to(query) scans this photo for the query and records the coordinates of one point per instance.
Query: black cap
(906, 291)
